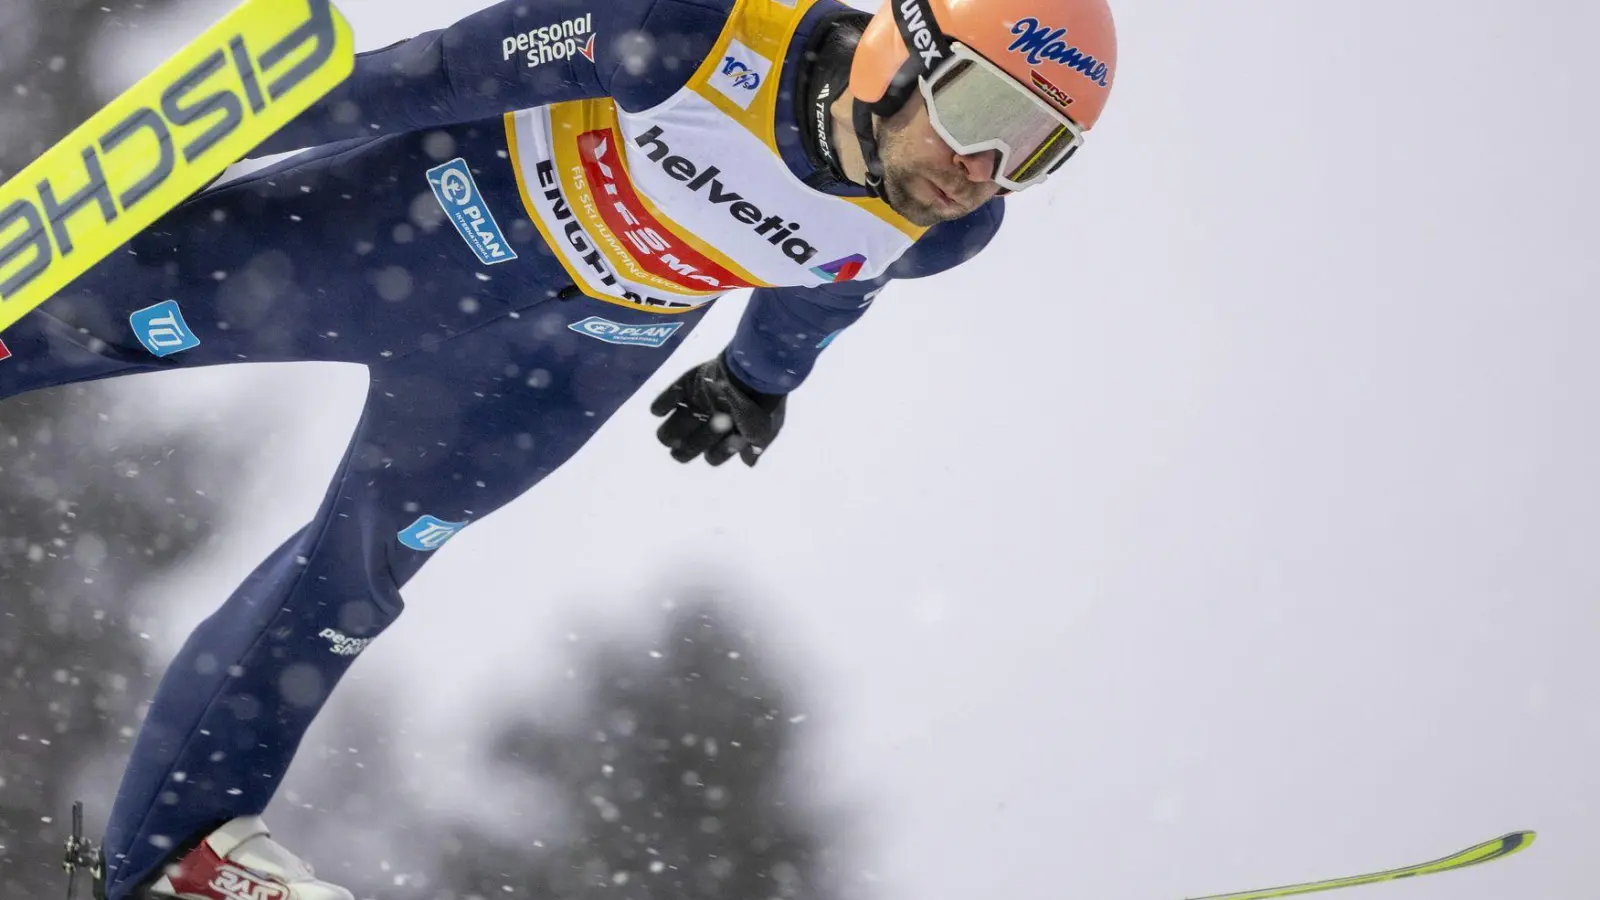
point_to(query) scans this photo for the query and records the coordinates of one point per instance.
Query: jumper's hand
(713, 414)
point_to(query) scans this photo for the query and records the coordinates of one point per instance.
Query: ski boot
(239, 861)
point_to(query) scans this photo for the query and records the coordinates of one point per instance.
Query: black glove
(715, 414)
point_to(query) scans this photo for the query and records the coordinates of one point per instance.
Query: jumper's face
(926, 181)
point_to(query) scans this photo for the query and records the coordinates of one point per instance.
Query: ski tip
(1517, 840)
(1497, 848)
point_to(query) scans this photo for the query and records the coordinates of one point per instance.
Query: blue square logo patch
(161, 329)
(428, 533)
(457, 192)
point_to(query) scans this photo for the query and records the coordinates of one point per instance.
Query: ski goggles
(976, 107)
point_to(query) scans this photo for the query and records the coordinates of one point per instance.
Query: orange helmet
(1061, 54)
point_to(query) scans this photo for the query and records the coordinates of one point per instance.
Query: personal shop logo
(548, 43)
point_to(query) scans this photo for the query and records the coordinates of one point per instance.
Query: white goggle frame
(1034, 162)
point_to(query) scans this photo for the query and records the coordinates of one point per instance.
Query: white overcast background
(1230, 521)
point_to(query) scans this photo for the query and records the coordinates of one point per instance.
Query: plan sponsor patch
(458, 194)
(655, 335)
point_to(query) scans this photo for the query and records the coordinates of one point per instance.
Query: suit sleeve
(784, 330)
(479, 68)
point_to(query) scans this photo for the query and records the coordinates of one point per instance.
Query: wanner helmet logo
(1042, 43)
(841, 269)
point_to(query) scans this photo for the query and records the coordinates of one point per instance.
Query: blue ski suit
(479, 387)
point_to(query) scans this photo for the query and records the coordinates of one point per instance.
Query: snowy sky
(1229, 522)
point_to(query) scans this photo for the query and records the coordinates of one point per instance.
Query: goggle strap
(861, 116)
(901, 87)
(904, 18)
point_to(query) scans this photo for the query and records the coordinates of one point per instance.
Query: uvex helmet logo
(921, 37)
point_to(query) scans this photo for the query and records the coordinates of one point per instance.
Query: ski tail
(1502, 846)
(82, 855)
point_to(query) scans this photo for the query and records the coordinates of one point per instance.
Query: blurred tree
(352, 803)
(674, 776)
(91, 504)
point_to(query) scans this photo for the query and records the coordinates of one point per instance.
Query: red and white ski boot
(241, 861)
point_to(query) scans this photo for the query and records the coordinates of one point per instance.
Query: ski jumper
(512, 223)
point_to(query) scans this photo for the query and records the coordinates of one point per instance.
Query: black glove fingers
(725, 449)
(711, 413)
(684, 455)
(690, 441)
(697, 438)
(668, 400)
(678, 427)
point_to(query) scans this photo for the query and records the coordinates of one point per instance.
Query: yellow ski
(164, 139)
(1505, 845)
